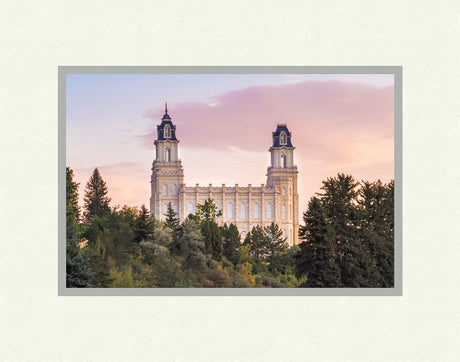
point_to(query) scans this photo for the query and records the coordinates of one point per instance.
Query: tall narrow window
(165, 209)
(217, 207)
(167, 131)
(243, 211)
(230, 210)
(165, 190)
(191, 208)
(283, 139)
(284, 211)
(174, 189)
(284, 191)
(256, 211)
(175, 208)
(269, 211)
(167, 154)
(283, 161)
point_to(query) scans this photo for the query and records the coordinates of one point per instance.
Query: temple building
(245, 206)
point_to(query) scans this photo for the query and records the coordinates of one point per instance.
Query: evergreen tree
(207, 214)
(338, 200)
(275, 244)
(143, 226)
(317, 257)
(377, 215)
(173, 222)
(78, 271)
(72, 194)
(231, 242)
(191, 246)
(72, 208)
(96, 200)
(349, 228)
(258, 240)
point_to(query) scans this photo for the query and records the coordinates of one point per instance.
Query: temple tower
(282, 178)
(167, 172)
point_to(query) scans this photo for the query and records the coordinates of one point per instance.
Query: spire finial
(166, 107)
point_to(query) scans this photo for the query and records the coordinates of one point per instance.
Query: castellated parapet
(245, 206)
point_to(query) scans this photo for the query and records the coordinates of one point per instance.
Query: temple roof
(166, 120)
(280, 128)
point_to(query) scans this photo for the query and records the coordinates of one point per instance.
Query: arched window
(284, 211)
(165, 190)
(283, 161)
(167, 131)
(167, 154)
(165, 209)
(256, 211)
(283, 138)
(243, 211)
(230, 210)
(269, 211)
(191, 208)
(174, 189)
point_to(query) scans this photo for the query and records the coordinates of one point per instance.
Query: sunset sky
(339, 123)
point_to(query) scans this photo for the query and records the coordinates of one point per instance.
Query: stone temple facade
(245, 206)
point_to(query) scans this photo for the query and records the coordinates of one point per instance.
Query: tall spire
(166, 115)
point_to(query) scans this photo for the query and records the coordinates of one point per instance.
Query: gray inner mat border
(64, 70)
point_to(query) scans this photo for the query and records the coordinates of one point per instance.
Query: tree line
(346, 242)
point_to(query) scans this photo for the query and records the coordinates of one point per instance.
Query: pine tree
(173, 222)
(258, 240)
(72, 194)
(231, 242)
(191, 246)
(338, 200)
(78, 272)
(96, 200)
(276, 244)
(143, 226)
(317, 257)
(207, 214)
(348, 227)
(376, 215)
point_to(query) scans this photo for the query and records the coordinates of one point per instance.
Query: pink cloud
(330, 121)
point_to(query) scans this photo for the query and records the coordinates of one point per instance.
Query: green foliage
(96, 199)
(275, 245)
(191, 246)
(72, 208)
(258, 241)
(207, 214)
(122, 279)
(317, 258)
(347, 236)
(231, 242)
(172, 221)
(143, 226)
(78, 271)
(207, 211)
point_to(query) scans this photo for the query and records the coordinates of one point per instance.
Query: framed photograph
(230, 180)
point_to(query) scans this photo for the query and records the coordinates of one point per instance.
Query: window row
(166, 190)
(243, 210)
